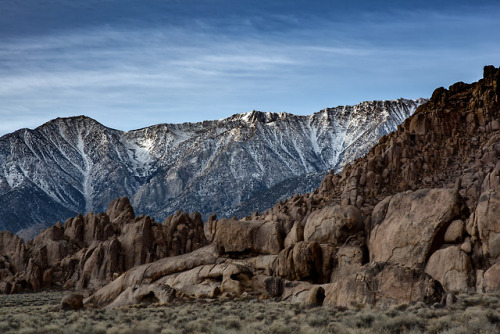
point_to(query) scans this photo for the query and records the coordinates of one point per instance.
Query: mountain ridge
(78, 165)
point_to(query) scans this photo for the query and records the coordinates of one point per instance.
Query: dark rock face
(72, 165)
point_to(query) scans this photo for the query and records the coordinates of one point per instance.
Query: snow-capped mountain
(76, 164)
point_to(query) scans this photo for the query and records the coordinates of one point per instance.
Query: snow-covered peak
(76, 164)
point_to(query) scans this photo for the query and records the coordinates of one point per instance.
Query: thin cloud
(209, 68)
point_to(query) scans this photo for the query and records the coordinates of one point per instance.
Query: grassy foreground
(39, 313)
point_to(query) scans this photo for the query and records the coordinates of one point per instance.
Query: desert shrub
(198, 326)
(402, 323)
(28, 314)
(337, 328)
(317, 320)
(364, 319)
(439, 325)
(283, 327)
(230, 322)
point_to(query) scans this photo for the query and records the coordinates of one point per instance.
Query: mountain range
(232, 166)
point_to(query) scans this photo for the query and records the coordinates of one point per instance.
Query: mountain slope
(72, 165)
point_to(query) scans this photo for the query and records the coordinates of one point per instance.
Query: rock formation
(416, 219)
(89, 251)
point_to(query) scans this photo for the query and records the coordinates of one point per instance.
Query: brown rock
(295, 235)
(120, 210)
(303, 261)
(304, 293)
(452, 268)
(274, 286)
(488, 224)
(71, 302)
(491, 280)
(382, 285)
(12, 248)
(263, 264)
(144, 294)
(135, 241)
(349, 258)
(413, 225)
(181, 233)
(254, 237)
(144, 274)
(455, 232)
(333, 224)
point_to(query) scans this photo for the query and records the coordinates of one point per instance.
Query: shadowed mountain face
(72, 165)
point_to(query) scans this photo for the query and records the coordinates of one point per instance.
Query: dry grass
(39, 313)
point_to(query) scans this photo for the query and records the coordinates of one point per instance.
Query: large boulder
(248, 237)
(488, 224)
(333, 224)
(349, 258)
(303, 261)
(304, 293)
(491, 279)
(382, 285)
(148, 273)
(414, 226)
(144, 294)
(295, 235)
(452, 268)
(71, 302)
(209, 280)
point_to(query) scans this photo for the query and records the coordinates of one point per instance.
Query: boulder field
(414, 220)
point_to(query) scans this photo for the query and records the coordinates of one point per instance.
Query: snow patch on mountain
(76, 164)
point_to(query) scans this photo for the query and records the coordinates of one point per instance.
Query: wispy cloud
(212, 67)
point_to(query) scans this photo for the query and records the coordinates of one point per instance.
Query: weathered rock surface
(382, 285)
(415, 223)
(487, 223)
(301, 262)
(455, 232)
(349, 258)
(491, 279)
(304, 293)
(149, 273)
(333, 224)
(256, 237)
(452, 268)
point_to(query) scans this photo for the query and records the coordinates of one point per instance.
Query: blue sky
(131, 63)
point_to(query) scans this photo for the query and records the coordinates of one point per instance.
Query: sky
(134, 63)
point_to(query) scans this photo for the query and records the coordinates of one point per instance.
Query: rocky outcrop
(301, 262)
(383, 285)
(414, 226)
(333, 224)
(90, 251)
(487, 225)
(254, 237)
